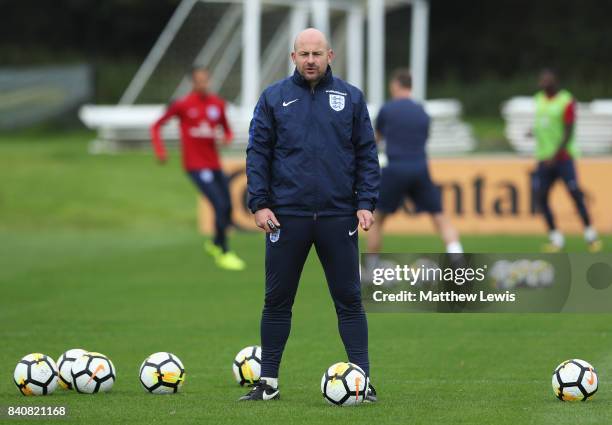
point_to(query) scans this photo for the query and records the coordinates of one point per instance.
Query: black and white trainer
(371, 395)
(261, 391)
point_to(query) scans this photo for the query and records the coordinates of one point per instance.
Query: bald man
(313, 179)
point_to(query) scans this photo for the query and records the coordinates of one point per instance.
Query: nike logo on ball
(290, 102)
(95, 372)
(351, 233)
(267, 396)
(591, 379)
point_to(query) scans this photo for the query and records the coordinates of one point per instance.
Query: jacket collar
(300, 81)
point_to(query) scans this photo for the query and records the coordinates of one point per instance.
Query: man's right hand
(262, 216)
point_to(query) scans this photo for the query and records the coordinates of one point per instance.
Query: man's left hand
(366, 219)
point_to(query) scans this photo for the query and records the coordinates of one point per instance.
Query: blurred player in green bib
(554, 131)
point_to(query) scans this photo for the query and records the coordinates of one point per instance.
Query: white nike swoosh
(269, 397)
(290, 102)
(354, 231)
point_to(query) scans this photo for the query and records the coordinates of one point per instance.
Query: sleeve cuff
(256, 206)
(365, 205)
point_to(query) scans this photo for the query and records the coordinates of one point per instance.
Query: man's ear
(293, 57)
(330, 56)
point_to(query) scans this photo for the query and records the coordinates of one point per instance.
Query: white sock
(273, 382)
(556, 238)
(454, 248)
(590, 234)
(371, 260)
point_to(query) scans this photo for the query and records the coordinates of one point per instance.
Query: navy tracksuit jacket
(312, 160)
(312, 151)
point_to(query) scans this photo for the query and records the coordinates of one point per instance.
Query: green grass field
(100, 252)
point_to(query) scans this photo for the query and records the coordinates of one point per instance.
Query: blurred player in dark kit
(404, 126)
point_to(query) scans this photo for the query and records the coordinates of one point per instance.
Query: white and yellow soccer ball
(36, 374)
(344, 384)
(93, 372)
(64, 366)
(247, 366)
(162, 373)
(574, 380)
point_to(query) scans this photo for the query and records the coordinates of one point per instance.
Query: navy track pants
(336, 243)
(213, 184)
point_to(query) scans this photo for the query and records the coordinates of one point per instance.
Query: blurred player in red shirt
(200, 113)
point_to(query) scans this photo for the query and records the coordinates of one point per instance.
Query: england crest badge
(213, 112)
(336, 101)
(275, 236)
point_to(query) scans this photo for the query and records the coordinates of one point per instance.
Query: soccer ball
(574, 380)
(93, 372)
(64, 367)
(247, 366)
(344, 384)
(162, 373)
(36, 374)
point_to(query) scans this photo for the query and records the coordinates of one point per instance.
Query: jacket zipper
(312, 100)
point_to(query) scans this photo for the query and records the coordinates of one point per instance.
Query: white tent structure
(246, 44)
